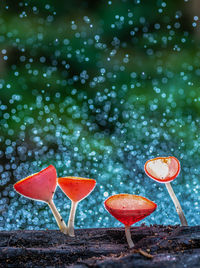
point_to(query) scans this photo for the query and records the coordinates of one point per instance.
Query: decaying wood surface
(167, 246)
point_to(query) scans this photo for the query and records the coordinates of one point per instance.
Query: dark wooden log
(169, 246)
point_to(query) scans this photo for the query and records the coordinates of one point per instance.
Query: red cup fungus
(76, 189)
(41, 187)
(165, 170)
(129, 209)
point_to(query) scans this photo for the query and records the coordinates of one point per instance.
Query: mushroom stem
(72, 218)
(59, 219)
(128, 236)
(177, 204)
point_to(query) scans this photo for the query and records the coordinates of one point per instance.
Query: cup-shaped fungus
(41, 187)
(76, 189)
(129, 209)
(165, 170)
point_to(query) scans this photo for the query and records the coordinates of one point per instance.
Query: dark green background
(97, 88)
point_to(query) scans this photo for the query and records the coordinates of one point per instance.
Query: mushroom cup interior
(162, 169)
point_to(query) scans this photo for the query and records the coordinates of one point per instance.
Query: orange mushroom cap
(76, 188)
(40, 186)
(128, 208)
(162, 169)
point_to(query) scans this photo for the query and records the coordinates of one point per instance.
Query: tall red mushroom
(165, 170)
(76, 189)
(129, 209)
(41, 187)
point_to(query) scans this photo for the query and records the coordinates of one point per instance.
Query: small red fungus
(129, 209)
(41, 187)
(76, 189)
(165, 170)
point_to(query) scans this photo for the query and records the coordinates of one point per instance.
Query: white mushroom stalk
(72, 218)
(176, 204)
(128, 237)
(59, 219)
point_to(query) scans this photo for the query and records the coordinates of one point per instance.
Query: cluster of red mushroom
(126, 208)
(41, 186)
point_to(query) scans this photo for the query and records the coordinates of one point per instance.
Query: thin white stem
(177, 204)
(59, 219)
(128, 236)
(72, 218)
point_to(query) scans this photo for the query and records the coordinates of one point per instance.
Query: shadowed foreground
(170, 246)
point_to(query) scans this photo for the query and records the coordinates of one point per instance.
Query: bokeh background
(96, 88)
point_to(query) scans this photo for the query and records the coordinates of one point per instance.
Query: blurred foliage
(84, 84)
(127, 52)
